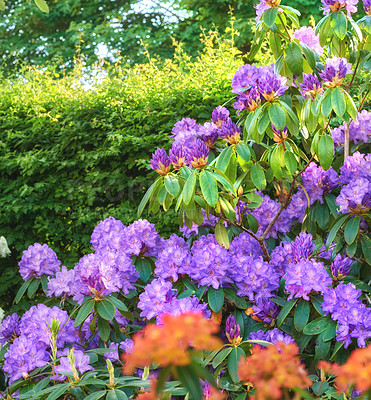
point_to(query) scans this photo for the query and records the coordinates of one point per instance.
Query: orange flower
(168, 344)
(151, 395)
(357, 370)
(272, 369)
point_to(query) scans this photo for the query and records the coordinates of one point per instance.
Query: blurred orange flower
(168, 344)
(356, 371)
(273, 369)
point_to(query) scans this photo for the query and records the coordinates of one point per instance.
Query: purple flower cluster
(253, 83)
(159, 298)
(9, 329)
(341, 266)
(174, 258)
(311, 86)
(272, 336)
(354, 318)
(265, 310)
(336, 5)
(81, 364)
(38, 260)
(232, 330)
(30, 339)
(108, 234)
(210, 263)
(253, 277)
(297, 207)
(367, 6)
(160, 161)
(264, 5)
(317, 181)
(359, 131)
(355, 175)
(335, 71)
(230, 132)
(307, 36)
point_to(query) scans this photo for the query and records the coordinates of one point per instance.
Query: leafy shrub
(71, 157)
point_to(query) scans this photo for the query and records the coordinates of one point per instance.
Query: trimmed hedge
(71, 157)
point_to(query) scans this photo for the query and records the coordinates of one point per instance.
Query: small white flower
(4, 249)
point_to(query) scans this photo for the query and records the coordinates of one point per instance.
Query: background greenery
(71, 157)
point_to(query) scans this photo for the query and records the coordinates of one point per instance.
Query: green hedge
(71, 157)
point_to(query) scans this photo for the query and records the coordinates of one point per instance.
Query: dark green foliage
(71, 157)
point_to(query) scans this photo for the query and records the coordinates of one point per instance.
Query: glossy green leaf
(339, 24)
(317, 326)
(326, 150)
(223, 159)
(366, 248)
(277, 116)
(243, 151)
(189, 188)
(286, 309)
(294, 59)
(104, 329)
(116, 394)
(258, 176)
(33, 286)
(301, 315)
(172, 185)
(215, 298)
(144, 268)
(58, 391)
(234, 358)
(221, 234)
(221, 356)
(269, 16)
(252, 222)
(85, 310)
(190, 380)
(351, 229)
(117, 303)
(338, 101)
(334, 230)
(290, 162)
(148, 195)
(22, 290)
(209, 188)
(105, 310)
(95, 395)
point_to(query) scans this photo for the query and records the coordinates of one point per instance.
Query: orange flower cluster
(168, 344)
(151, 395)
(356, 371)
(272, 369)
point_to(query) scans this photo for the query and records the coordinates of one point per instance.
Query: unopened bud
(240, 191)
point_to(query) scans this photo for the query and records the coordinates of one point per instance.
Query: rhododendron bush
(264, 291)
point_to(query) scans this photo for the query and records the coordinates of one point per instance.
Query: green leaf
(275, 161)
(221, 356)
(317, 326)
(334, 230)
(338, 101)
(309, 56)
(231, 295)
(351, 107)
(233, 359)
(116, 394)
(317, 304)
(301, 315)
(190, 380)
(95, 395)
(243, 151)
(253, 222)
(351, 229)
(42, 5)
(294, 59)
(172, 185)
(144, 268)
(269, 16)
(321, 349)
(330, 332)
(223, 159)
(189, 188)
(147, 196)
(326, 150)
(277, 116)
(117, 303)
(326, 104)
(221, 234)
(286, 309)
(290, 161)
(85, 310)
(258, 176)
(58, 390)
(228, 209)
(275, 44)
(23, 289)
(366, 248)
(104, 329)
(215, 298)
(105, 310)
(339, 24)
(209, 188)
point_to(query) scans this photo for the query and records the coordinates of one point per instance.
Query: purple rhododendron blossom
(354, 318)
(335, 71)
(38, 260)
(220, 114)
(341, 266)
(367, 6)
(108, 234)
(355, 197)
(184, 125)
(9, 328)
(336, 5)
(311, 86)
(64, 283)
(302, 247)
(273, 336)
(232, 329)
(272, 85)
(230, 132)
(245, 76)
(356, 166)
(160, 161)
(266, 310)
(281, 257)
(359, 131)
(209, 134)
(306, 276)
(198, 154)
(23, 356)
(178, 156)
(297, 207)
(307, 36)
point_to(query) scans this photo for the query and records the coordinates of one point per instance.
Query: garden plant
(264, 291)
